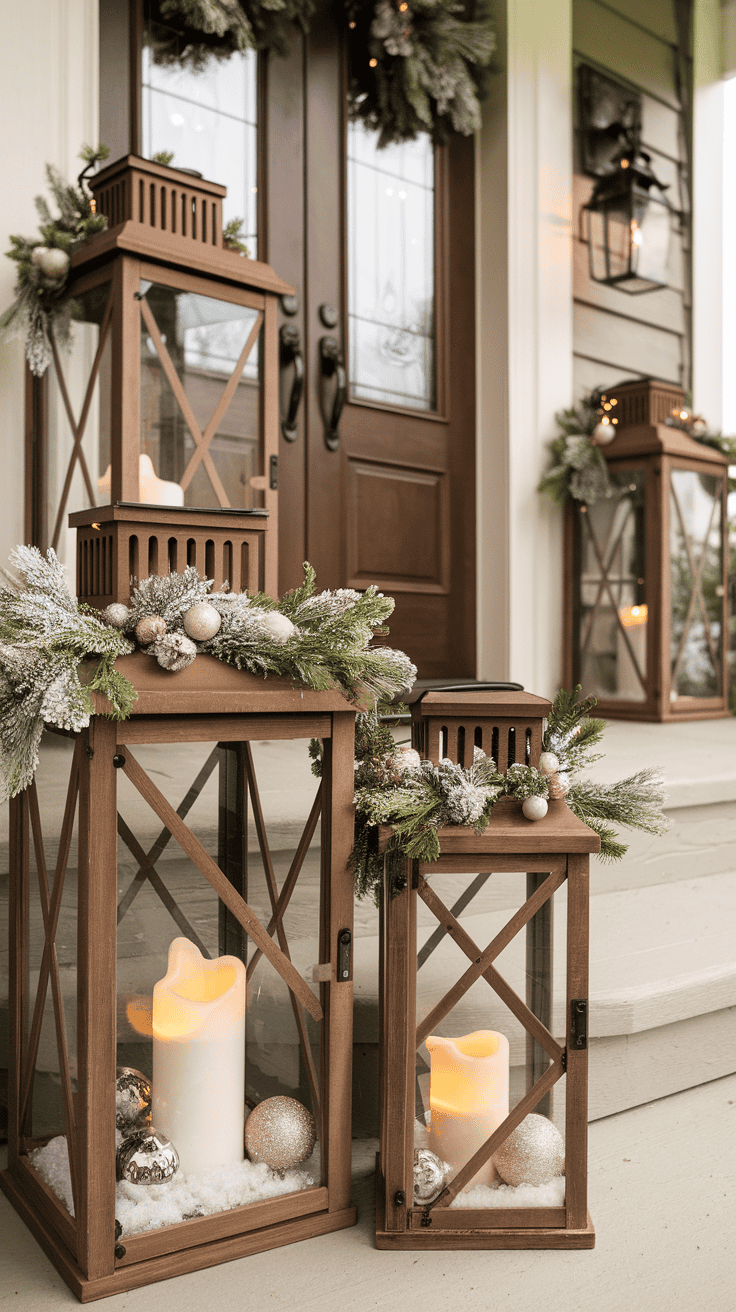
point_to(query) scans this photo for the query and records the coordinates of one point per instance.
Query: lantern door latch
(344, 952)
(578, 1024)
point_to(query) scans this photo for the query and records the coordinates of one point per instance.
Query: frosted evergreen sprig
(578, 468)
(635, 803)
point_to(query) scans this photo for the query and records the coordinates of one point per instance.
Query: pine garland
(42, 305)
(188, 33)
(578, 467)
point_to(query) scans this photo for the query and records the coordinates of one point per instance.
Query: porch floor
(657, 1175)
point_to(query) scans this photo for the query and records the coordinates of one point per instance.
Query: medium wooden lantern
(170, 393)
(475, 1037)
(646, 582)
(110, 870)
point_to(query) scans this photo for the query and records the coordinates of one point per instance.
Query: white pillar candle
(468, 1097)
(199, 1057)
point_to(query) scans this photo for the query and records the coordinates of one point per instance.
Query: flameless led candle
(468, 1096)
(199, 1057)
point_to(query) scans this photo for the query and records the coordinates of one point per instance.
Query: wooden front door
(376, 484)
(379, 245)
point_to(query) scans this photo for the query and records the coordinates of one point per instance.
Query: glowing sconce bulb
(636, 236)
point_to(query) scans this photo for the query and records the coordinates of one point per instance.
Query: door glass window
(391, 292)
(208, 119)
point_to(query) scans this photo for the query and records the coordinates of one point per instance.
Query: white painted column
(708, 218)
(48, 72)
(524, 199)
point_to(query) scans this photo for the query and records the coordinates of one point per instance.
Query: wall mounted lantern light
(630, 227)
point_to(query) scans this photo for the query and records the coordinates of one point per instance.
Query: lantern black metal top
(630, 226)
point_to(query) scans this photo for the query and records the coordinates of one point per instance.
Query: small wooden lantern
(170, 394)
(80, 901)
(646, 569)
(442, 989)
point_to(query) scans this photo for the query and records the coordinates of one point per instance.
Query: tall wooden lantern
(646, 569)
(170, 393)
(476, 1029)
(167, 921)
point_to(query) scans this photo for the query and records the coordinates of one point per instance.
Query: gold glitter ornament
(534, 1153)
(430, 1175)
(147, 1157)
(149, 629)
(558, 785)
(133, 1098)
(280, 1132)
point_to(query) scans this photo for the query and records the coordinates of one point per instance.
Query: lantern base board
(166, 1266)
(549, 1236)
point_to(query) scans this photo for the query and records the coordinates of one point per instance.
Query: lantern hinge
(344, 944)
(273, 473)
(399, 1198)
(579, 1023)
(426, 1219)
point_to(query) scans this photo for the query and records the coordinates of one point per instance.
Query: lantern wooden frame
(166, 228)
(206, 702)
(645, 444)
(550, 852)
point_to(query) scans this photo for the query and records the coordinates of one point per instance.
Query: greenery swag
(579, 469)
(320, 640)
(418, 798)
(415, 65)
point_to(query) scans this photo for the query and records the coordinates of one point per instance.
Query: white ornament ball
(548, 763)
(37, 255)
(534, 808)
(149, 629)
(407, 758)
(280, 627)
(117, 614)
(534, 1153)
(51, 261)
(604, 433)
(202, 621)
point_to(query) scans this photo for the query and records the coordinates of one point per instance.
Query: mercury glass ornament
(280, 627)
(147, 1157)
(534, 808)
(51, 261)
(149, 629)
(548, 763)
(430, 1175)
(280, 1132)
(202, 621)
(116, 614)
(133, 1098)
(534, 1153)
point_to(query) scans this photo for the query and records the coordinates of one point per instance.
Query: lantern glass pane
(696, 575)
(464, 1089)
(72, 481)
(613, 623)
(617, 219)
(597, 249)
(202, 340)
(652, 240)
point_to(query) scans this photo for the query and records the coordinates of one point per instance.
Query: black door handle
(331, 362)
(291, 353)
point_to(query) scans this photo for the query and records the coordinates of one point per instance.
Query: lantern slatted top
(506, 724)
(645, 405)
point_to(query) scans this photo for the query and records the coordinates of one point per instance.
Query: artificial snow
(551, 1194)
(148, 1207)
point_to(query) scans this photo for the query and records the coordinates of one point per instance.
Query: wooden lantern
(646, 569)
(170, 394)
(78, 901)
(439, 980)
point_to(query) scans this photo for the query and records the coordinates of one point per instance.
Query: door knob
(291, 353)
(332, 366)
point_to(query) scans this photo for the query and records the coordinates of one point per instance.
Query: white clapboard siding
(616, 335)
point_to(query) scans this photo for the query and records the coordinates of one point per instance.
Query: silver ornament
(202, 621)
(52, 261)
(548, 763)
(430, 1175)
(173, 651)
(280, 627)
(534, 808)
(116, 614)
(280, 1132)
(149, 629)
(147, 1157)
(534, 1153)
(133, 1098)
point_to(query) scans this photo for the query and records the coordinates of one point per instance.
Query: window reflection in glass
(391, 297)
(204, 339)
(696, 555)
(208, 119)
(613, 610)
